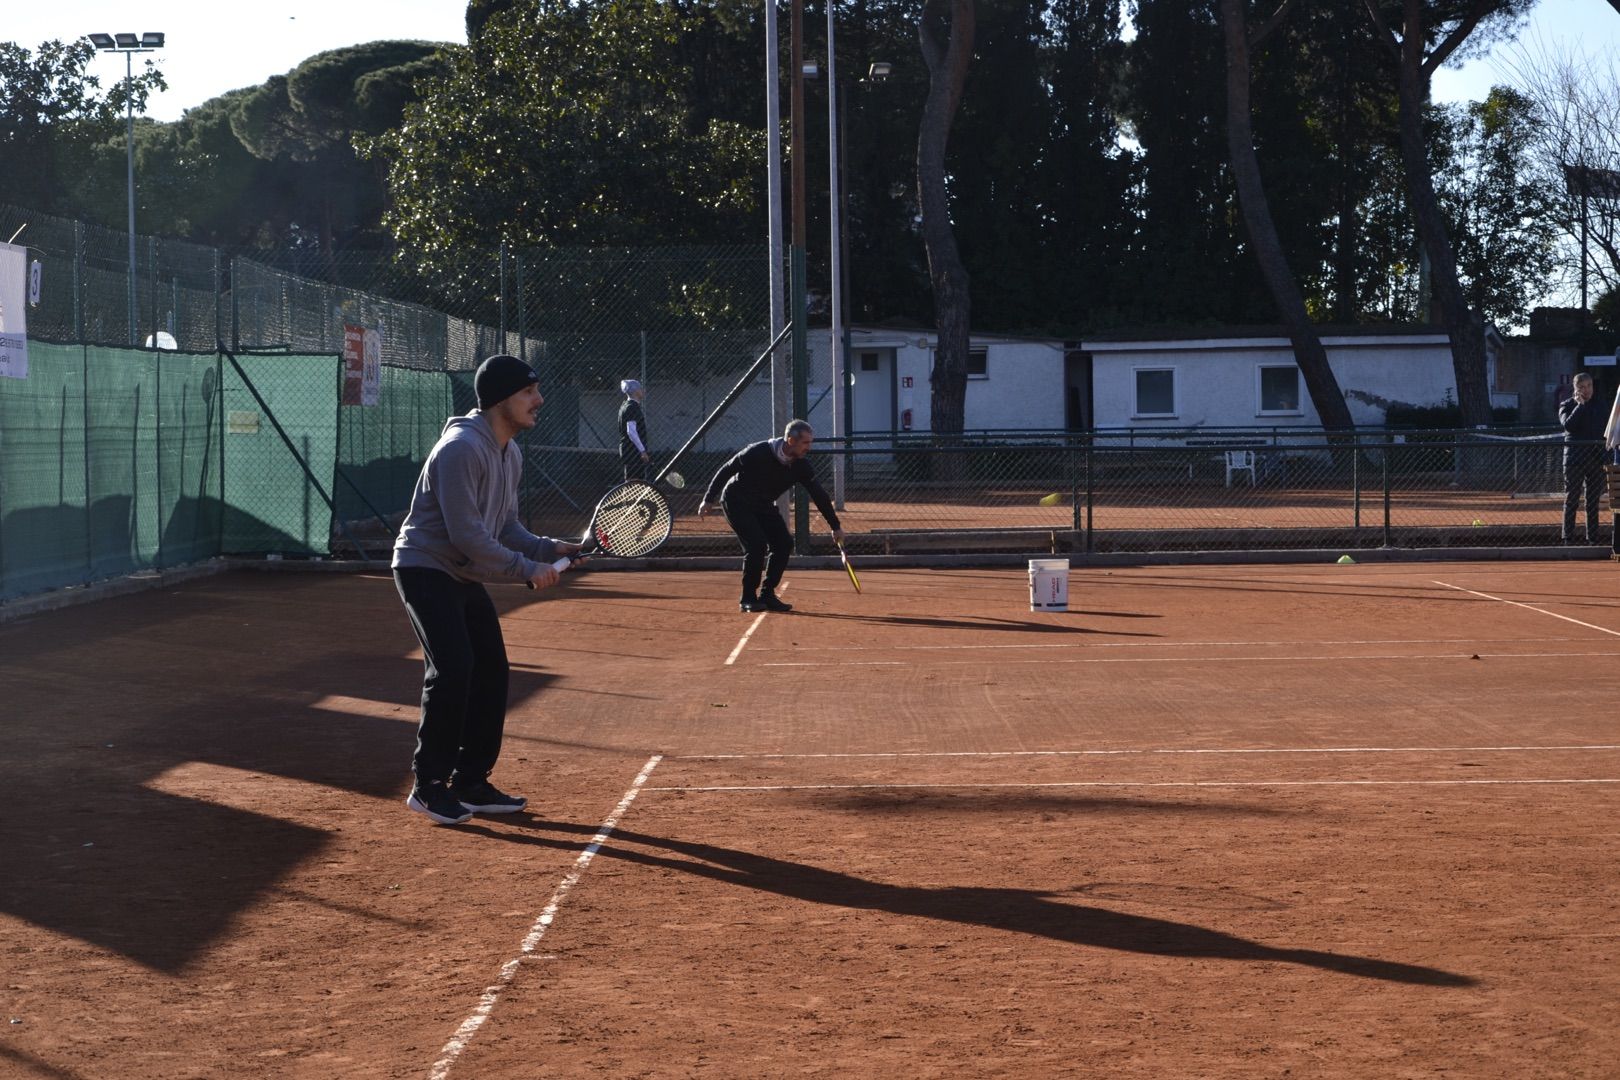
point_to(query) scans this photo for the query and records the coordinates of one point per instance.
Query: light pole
(839, 274)
(129, 45)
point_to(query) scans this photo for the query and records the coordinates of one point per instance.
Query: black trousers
(1583, 469)
(634, 467)
(464, 679)
(766, 545)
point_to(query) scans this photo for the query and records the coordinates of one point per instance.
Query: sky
(206, 55)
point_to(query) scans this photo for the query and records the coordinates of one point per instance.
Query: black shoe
(748, 603)
(484, 797)
(434, 800)
(769, 602)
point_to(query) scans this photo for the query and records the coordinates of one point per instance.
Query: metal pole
(796, 256)
(129, 92)
(835, 188)
(773, 202)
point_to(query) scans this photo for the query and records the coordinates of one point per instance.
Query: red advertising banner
(354, 363)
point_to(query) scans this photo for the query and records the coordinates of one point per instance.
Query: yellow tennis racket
(848, 569)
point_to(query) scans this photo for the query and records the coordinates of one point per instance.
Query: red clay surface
(1338, 821)
(1198, 507)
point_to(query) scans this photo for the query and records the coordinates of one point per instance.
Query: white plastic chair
(1237, 461)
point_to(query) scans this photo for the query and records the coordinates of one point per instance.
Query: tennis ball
(1052, 499)
(1345, 559)
(1478, 523)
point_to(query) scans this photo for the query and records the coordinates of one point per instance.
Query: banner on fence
(13, 312)
(362, 365)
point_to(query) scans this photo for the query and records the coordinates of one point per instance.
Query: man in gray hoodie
(462, 529)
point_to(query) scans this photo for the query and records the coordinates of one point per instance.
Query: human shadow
(936, 623)
(1023, 911)
(160, 705)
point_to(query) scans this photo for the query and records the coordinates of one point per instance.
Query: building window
(869, 361)
(978, 363)
(1155, 392)
(1279, 389)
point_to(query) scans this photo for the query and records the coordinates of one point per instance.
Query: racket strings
(633, 525)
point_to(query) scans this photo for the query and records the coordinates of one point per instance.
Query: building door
(873, 410)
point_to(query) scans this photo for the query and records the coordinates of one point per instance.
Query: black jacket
(1582, 421)
(755, 478)
(630, 411)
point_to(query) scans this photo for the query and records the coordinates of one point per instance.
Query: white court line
(1126, 784)
(1146, 751)
(732, 659)
(1530, 607)
(486, 1004)
(1202, 659)
(1172, 644)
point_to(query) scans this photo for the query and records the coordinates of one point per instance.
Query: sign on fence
(362, 365)
(13, 312)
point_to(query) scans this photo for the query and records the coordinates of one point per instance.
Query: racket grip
(562, 564)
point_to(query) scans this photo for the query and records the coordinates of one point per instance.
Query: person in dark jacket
(1583, 421)
(461, 530)
(633, 431)
(746, 488)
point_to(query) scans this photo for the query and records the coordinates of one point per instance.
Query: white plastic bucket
(1049, 584)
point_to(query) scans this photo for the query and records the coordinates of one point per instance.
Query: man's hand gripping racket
(630, 521)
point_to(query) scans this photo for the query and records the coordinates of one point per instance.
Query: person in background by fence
(462, 530)
(1583, 421)
(633, 431)
(747, 488)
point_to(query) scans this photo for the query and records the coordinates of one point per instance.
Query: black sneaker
(485, 798)
(768, 602)
(434, 800)
(747, 604)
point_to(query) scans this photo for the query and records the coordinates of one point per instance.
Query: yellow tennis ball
(1052, 499)
(1478, 523)
(1345, 559)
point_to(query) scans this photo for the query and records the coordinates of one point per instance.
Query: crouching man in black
(746, 489)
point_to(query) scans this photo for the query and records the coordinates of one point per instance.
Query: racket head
(848, 569)
(631, 520)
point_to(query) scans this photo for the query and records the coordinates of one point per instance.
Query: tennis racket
(848, 569)
(631, 520)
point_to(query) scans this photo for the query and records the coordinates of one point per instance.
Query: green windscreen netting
(271, 503)
(105, 465)
(117, 460)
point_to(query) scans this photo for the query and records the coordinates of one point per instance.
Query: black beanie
(499, 378)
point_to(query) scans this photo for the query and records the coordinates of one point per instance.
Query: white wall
(1217, 383)
(1022, 387)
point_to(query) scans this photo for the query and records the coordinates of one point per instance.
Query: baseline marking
(486, 1004)
(1529, 607)
(1129, 784)
(1171, 644)
(1116, 753)
(1209, 659)
(732, 659)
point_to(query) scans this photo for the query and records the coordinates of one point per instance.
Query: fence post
(522, 320)
(1091, 487)
(78, 282)
(1355, 482)
(1389, 451)
(503, 296)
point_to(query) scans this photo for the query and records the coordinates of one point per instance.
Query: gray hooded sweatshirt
(463, 516)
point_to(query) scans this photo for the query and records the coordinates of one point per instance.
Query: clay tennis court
(1236, 821)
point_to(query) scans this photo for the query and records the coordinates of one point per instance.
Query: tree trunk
(1309, 354)
(945, 34)
(1464, 325)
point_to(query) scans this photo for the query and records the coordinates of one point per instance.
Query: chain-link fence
(115, 459)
